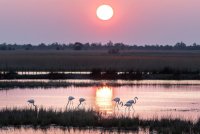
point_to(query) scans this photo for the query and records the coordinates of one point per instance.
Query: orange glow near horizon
(134, 22)
(104, 99)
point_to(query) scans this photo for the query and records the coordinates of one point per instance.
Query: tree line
(113, 47)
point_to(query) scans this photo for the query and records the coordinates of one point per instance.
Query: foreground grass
(89, 118)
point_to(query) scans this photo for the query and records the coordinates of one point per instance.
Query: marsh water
(174, 100)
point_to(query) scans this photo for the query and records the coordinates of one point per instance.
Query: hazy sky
(135, 21)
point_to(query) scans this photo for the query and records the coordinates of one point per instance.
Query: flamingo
(117, 102)
(32, 101)
(70, 100)
(131, 102)
(128, 105)
(81, 100)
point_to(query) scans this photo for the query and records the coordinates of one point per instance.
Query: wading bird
(70, 101)
(81, 100)
(128, 105)
(131, 102)
(32, 101)
(117, 102)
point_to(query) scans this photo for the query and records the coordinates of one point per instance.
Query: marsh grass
(90, 118)
(89, 60)
(6, 85)
(76, 118)
(51, 84)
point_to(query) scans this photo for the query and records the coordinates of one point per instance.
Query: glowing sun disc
(105, 12)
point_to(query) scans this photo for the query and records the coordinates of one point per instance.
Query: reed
(8, 85)
(35, 60)
(90, 118)
(39, 84)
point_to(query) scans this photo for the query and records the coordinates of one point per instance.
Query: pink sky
(135, 21)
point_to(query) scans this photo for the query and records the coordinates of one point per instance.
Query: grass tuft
(90, 118)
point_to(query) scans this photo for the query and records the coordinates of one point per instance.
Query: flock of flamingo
(117, 101)
(128, 104)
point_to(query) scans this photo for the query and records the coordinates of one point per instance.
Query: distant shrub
(113, 51)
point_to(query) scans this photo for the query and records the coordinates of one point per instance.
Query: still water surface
(155, 101)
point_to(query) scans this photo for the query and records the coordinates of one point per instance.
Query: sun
(105, 12)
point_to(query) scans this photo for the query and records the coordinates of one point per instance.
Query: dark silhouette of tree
(78, 46)
(3, 46)
(113, 51)
(110, 46)
(28, 46)
(42, 46)
(180, 45)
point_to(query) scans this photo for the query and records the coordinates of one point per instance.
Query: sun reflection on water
(104, 99)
